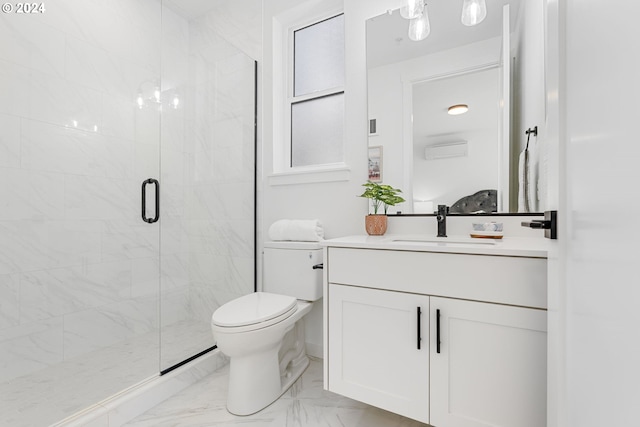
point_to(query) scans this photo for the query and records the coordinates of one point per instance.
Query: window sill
(310, 176)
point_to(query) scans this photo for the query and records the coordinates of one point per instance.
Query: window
(316, 94)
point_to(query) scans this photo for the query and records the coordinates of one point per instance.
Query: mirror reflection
(472, 162)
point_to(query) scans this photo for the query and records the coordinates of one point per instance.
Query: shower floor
(52, 394)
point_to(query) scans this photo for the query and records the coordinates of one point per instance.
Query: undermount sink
(440, 241)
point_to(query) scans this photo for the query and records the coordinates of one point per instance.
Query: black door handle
(144, 200)
(438, 331)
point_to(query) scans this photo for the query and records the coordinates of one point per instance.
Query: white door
(490, 366)
(375, 355)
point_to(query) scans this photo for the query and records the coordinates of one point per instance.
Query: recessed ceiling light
(455, 110)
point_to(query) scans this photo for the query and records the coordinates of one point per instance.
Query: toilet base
(256, 381)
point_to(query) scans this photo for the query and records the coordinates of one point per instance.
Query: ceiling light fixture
(473, 12)
(458, 109)
(419, 28)
(412, 9)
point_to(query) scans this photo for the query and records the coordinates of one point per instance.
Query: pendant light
(419, 28)
(456, 110)
(473, 12)
(412, 9)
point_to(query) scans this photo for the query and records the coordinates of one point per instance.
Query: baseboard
(128, 404)
(314, 350)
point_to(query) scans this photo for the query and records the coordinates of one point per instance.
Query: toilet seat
(253, 311)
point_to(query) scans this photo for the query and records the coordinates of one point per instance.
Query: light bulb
(140, 101)
(156, 94)
(412, 9)
(473, 12)
(456, 110)
(419, 28)
(175, 101)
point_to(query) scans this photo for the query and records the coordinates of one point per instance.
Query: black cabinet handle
(419, 334)
(144, 200)
(318, 267)
(438, 331)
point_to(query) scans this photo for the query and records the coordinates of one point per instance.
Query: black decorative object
(484, 201)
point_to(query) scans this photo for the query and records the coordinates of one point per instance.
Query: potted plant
(382, 196)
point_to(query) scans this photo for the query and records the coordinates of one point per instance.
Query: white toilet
(263, 333)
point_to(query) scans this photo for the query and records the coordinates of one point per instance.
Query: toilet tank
(288, 269)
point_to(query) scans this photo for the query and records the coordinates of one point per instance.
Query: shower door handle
(144, 200)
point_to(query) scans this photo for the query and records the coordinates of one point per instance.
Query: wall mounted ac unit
(446, 150)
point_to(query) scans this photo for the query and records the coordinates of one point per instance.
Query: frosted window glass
(317, 131)
(319, 56)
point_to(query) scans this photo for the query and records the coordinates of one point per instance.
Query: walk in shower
(100, 102)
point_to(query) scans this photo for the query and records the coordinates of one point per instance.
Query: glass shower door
(208, 183)
(79, 268)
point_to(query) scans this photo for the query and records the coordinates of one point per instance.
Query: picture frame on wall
(375, 163)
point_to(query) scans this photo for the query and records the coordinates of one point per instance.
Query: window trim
(282, 142)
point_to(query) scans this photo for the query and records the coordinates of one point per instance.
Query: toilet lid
(253, 308)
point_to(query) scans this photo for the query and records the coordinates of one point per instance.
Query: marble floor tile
(304, 404)
(56, 392)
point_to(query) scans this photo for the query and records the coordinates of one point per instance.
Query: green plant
(381, 195)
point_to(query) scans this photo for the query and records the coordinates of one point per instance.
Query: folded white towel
(301, 230)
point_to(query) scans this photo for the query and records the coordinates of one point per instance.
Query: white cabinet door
(373, 348)
(491, 366)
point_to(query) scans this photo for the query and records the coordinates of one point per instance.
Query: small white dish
(487, 226)
(487, 234)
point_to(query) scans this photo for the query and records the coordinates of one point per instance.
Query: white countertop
(507, 246)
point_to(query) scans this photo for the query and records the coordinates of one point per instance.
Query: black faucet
(441, 217)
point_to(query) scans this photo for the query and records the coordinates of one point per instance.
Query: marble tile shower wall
(76, 261)
(79, 270)
(221, 163)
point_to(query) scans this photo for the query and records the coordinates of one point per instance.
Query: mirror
(496, 68)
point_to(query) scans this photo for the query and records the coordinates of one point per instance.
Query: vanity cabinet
(490, 366)
(375, 355)
(448, 339)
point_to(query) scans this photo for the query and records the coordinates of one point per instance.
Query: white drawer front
(500, 279)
